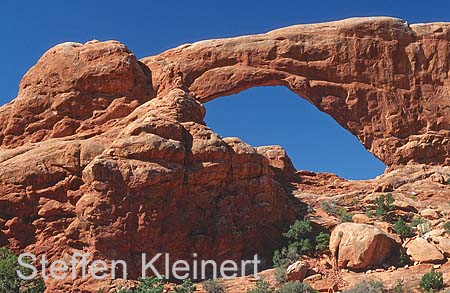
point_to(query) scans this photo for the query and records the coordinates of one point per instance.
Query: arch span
(380, 78)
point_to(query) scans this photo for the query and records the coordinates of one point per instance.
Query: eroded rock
(423, 251)
(105, 153)
(360, 246)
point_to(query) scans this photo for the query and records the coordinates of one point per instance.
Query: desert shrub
(301, 246)
(384, 204)
(280, 274)
(400, 287)
(300, 241)
(149, 285)
(285, 256)
(345, 216)
(368, 211)
(186, 287)
(370, 286)
(298, 231)
(278, 258)
(403, 229)
(432, 281)
(298, 236)
(261, 287)
(331, 207)
(447, 182)
(417, 221)
(10, 281)
(322, 241)
(212, 286)
(403, 258)
(424, 228)
(295, 287)
(447, 227)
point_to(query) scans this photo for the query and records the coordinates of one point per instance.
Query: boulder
(443, 244)
(361, 219)
(429, 214)
(422, 251)
(360, 246)
(387, 228)
(313, 278)
(297, 271)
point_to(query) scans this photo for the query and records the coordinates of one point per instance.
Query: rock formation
(105, 153)
(383, 80)
(360, 246)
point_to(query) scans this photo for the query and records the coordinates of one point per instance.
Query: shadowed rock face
(103, 153)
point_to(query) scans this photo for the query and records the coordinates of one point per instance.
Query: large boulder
(360, 246)
(423, 251)
(443, 244)
(297, 271)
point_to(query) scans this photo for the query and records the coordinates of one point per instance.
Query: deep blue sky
(259, 116)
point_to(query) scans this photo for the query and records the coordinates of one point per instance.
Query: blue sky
(259, 116)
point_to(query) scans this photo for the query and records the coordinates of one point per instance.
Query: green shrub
(301, 240)
(331, 207)
(301, 246)
(384, 204)
(368, 211)
(403, 229)
(186, 287)
(447, 182)
(370, 286)
(424, 228)
(345, 216)
(298, 236)
(447, 227)
(399, 287)
(417, 221)
(261, 287)
(403, 258)
(212, 286)
(298, 231)
(10, 281)
(280, 274)
(295, 287)
(322, 241)
(286, 256)
(432, 282)
(150, 285)
(278, 258)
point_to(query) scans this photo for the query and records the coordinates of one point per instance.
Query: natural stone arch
(87, 114)
(381, 79)
(315, 142)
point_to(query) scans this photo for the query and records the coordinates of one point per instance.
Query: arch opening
(274, 115)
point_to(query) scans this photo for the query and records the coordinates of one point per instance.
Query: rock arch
(382, 79)
(101, 151)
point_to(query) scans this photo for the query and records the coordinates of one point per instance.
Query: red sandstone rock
(297, 271)
(360, 246)
(104, 153)
(423, 251)
(380, 78)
